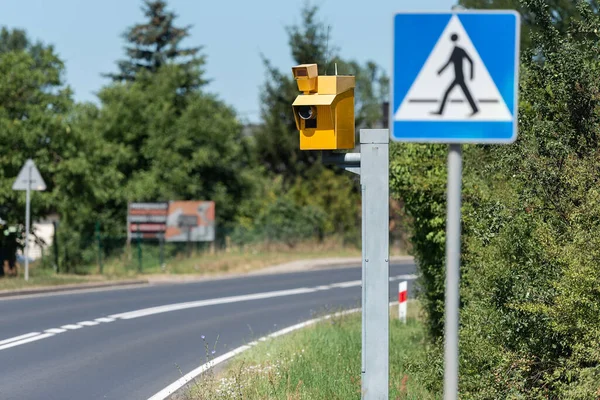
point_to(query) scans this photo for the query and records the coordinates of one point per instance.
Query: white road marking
(172, 388)
(33, 336)
(104, 319)
(211, 302)
(71, 326)
(55, 330)
(14, 339)
(88, 323)
(31, 339)
(179, 383)
(409, 277)
(347, 284)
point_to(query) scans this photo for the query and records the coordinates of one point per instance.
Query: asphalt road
(131, 343)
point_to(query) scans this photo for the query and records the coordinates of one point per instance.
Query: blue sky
(87, 36)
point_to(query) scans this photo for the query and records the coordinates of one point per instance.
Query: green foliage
(155, 137)
(88, 184)
(177, 146)
(562, 12)
(417, 176)
(33, 124)
(287, 222)
(274, 215)
(530, 321)
(157, 43)
(326, 204)
(533, 261)
(277, 141)
(337, 196)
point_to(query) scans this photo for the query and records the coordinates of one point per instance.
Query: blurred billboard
(147, 220)
(190, 221)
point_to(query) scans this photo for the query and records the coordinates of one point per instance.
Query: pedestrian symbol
(456, 58)
(456, 81)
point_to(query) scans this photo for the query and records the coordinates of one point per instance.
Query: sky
(87, 36)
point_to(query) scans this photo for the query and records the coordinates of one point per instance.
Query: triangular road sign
(29, 175)
(453, 84)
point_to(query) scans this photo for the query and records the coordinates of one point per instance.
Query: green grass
(318, 362)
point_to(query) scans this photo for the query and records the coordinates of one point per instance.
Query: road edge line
(181, 382)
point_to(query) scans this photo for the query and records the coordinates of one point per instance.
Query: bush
(530, 319)
(417, 176)
(287, 222)
(283, 221)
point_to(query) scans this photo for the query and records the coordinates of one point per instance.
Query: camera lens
(307, 112)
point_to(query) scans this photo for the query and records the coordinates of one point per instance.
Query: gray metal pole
(27, 213)
(452, 272)
(374, 178)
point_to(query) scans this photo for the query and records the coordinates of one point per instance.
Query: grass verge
(318, 362)
(233, 261)
(198, 264)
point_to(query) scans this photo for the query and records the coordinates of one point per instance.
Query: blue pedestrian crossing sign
(455, 77)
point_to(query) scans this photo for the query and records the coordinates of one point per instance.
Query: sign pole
(430, 50)
(27, 215)
(55, 246)
(452, 272)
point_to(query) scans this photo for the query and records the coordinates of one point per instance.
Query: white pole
(27, 212)
(402, 300)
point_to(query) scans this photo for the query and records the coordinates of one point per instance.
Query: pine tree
(156, 43)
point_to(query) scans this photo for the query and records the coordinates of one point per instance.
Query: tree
(91, 187)
(561, 11)
(157, 43)
(309, 41)
(305, 179)
(277, 140)
(187, 151)
(34, 104)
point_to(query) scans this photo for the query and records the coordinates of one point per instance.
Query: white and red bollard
(402, 300)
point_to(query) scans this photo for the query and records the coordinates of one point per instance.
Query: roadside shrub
(284, 221)
(530, 318)
(417, 176)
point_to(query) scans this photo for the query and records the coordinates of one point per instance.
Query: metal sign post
(455, 81)
(27, 214)
(29, 179)
(452, 271)
(372, 163)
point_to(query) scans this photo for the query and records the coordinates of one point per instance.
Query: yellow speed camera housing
(324, 113)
